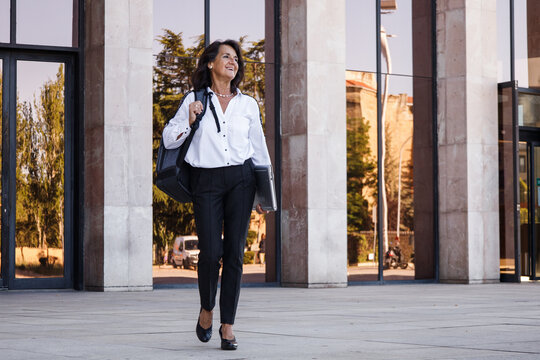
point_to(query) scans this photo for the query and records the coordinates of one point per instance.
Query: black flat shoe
(203, 334)
(227, 344)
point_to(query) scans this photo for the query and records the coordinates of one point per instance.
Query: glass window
(4, 21)
(507, 201)
(407, 202)
(408, 211)
(362, 239)
(238, 20)
(185, 17)
(45, 22)
(396, 38)
(528, 110)
(398, 207)
(178, 34)
(39, 229)
(254, 84)
(360, 33)
(503, 41)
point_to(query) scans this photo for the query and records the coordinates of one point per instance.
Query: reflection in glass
(250, 28)
(360, 32)
(396, 30)
(524, 208)
(182, 17)
(39, 229)
(45, 22)
(397, 178)
(503, 40)
(362, 239)
(528, 110)
(507, 200)
(254, 82)
(4, 21)
(254, 85)
(170, 219)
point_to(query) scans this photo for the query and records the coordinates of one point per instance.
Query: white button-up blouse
(241, 136)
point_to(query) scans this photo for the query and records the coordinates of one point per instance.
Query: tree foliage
(361, 184)
(40, 167)
(361, 176)
(173, 67)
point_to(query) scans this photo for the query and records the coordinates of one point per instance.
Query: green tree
(40, 167)
(360, 175)
(361, 179)
(254, 83)
(27, 151)
(50, 115)
(407, 197)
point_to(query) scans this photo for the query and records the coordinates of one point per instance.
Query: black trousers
(222, 202)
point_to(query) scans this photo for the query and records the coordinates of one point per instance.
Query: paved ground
(421, 321)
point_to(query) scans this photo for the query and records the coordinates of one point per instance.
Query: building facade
(403, 134)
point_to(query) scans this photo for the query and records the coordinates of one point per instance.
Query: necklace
(224, 95)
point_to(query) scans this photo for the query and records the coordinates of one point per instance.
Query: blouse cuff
(176, 135)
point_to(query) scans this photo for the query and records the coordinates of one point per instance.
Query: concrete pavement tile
(25, 355)
(429, 353)
(372, 322)
(532, 346)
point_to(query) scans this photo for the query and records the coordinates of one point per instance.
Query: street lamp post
(386, 54)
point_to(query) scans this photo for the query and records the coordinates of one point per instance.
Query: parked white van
(185, 252)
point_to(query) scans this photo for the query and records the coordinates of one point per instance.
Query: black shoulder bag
(172, 172)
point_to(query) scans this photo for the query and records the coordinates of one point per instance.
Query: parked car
(185, 252)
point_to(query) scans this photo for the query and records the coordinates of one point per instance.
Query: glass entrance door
(529, 181)
(519, 182)
(529, 193)
(37, 171)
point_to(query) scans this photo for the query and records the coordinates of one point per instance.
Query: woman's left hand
(260, 209)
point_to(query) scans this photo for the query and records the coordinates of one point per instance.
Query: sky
(361, 41)
(4, 20)
(228, 19)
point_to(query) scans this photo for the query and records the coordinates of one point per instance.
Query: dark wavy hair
(201, 77)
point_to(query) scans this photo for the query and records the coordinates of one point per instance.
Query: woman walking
(227, 145)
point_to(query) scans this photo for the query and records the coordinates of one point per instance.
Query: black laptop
(266, 192)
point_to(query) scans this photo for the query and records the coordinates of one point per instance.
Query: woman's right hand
(195, 108)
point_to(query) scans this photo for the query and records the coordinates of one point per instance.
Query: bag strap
(201, 95)
(213, 108)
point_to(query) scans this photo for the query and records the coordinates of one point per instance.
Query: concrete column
(118, 145)
(314, 218)
(468, 152)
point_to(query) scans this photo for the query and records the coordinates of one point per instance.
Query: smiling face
(225, 65)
